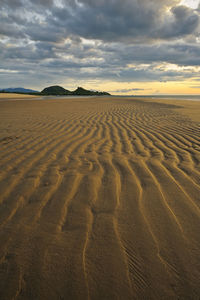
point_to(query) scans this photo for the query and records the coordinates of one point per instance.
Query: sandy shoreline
(99, 199)
(13, 96)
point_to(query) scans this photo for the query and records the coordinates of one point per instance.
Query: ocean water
(178, 97)
(170, 97)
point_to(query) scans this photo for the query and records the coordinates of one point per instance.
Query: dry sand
(12, 96)
(100, 199)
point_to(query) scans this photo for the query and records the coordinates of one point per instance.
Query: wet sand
(99, 199)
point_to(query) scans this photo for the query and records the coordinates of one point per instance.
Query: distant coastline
(55, 90)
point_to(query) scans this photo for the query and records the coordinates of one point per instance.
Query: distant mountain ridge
(55, 90)
(19, 90)
(58, 90)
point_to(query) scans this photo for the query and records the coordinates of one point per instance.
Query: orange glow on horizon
(141, 88)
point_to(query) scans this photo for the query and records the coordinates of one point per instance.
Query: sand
(13, 96)
(99, 199)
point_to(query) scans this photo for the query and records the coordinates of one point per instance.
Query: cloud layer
(45, 41)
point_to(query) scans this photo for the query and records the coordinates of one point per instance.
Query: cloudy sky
(121, 46)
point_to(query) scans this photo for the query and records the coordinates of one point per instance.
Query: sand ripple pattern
(100, 199)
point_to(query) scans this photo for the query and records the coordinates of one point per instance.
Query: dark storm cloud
(182, 54)
(9, 30)
(115, 20)
(128, 90)
(11, 3)
(98, 39)
(41, 33)
(126, 20)
(42, 2)
(185, 21)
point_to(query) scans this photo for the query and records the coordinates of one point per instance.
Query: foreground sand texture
(99, 199)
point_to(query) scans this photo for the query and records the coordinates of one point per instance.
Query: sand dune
(100, 199)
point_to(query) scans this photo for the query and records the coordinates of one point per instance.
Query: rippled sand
(99, 199)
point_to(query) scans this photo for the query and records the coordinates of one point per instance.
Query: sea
(168, 97)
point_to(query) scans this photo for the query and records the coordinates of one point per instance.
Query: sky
(129, 47)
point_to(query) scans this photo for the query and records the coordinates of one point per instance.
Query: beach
(99, 198)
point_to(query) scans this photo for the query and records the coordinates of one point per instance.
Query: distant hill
(60, 91)
(18, 90)
(55, 90)
(81, 91)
